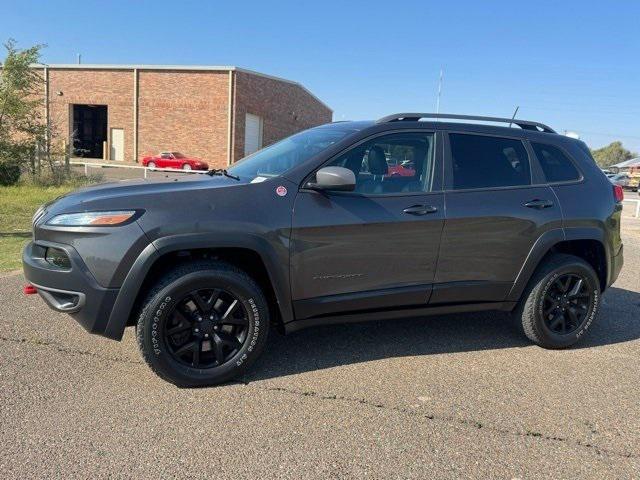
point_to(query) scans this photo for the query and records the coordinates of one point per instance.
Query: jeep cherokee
(315, 230)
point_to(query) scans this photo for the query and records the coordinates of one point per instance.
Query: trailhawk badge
(281, 191)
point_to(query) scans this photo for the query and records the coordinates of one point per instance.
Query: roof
(184, 68)
(524, 124)
(627, 163)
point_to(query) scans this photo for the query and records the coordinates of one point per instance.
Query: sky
(574, 65)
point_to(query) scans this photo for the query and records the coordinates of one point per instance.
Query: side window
(165, 155)
(555, 164)
(391, 164)
(485, 162)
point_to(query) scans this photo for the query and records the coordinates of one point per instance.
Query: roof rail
(524, 124)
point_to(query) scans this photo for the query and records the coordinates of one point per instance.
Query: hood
(136, 193)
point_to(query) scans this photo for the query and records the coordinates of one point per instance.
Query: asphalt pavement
(439, 397)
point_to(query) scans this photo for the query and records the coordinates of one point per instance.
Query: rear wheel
(203, 324)
(561, 302)
(186, 167)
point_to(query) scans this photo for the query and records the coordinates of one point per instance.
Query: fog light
(57, 258)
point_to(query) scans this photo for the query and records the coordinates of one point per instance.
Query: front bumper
(73, 291)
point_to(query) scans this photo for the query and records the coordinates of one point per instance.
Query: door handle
(420, 209)
(539, 204)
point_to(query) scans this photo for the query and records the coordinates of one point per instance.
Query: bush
(58, 177)
(9, 174)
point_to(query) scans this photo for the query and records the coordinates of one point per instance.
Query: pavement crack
(69, 351)
(448, 419)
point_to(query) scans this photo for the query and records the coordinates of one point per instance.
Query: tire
(166, 309)
(151, 165)
(186, 167)
(544, 292)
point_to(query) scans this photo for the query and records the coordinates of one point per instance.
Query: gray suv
(414, 214)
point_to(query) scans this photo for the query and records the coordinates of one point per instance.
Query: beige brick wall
(285, 108)
(184, 111)
(113, 88)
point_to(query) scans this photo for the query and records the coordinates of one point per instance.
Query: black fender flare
(277, 271)
(544, 244)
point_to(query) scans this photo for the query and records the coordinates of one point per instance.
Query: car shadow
(335, 345)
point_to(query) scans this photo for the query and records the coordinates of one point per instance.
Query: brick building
(219, 114)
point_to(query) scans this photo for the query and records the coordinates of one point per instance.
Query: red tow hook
(29, 289)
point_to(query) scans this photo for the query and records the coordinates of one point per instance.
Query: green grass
(17, 206)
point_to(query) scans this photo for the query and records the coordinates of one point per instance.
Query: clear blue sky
(572, 64)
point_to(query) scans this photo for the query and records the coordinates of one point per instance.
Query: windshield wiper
(222, 171)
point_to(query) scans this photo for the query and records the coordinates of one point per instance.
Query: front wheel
(560, 302)
(151, 165)
(186, 167)
(203, 324)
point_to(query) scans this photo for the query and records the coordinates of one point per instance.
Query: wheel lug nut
(206, 335)
(196, 330)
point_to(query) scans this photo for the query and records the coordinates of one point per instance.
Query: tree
(612, 154)
(22, 125)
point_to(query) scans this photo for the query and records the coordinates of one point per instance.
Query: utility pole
(79, 59)
(439, 93)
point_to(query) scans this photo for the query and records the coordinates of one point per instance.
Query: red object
(618, 193)
(29, 289)
(401, 171)
(174, 160)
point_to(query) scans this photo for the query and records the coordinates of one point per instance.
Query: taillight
(618, 193)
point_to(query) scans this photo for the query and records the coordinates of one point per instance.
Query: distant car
(621, 179)
(174, 160)
(403, 169)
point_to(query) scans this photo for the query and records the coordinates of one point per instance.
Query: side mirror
(334, 178)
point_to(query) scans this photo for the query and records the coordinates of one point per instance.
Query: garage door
(252, 134)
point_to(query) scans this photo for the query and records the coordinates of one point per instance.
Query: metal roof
(184, 68)
(627, 163)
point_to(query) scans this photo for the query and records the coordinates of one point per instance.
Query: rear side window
(555, 164)
(487, 162)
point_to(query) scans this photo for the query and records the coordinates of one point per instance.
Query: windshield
(286, 154)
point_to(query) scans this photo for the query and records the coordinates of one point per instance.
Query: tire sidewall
(165, 301)
(565, 340)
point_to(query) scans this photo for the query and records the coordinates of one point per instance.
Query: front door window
(392, 164)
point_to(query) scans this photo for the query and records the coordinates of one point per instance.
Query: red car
(404, 169)
(174, 160)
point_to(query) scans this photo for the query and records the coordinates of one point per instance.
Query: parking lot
(451, 396)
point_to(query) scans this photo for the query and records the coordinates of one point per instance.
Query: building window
(252, 134)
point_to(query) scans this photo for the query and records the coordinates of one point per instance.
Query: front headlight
(92, 219)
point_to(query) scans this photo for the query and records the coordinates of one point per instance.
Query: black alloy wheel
(566, 303)
(561, 301)
(206, 328)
